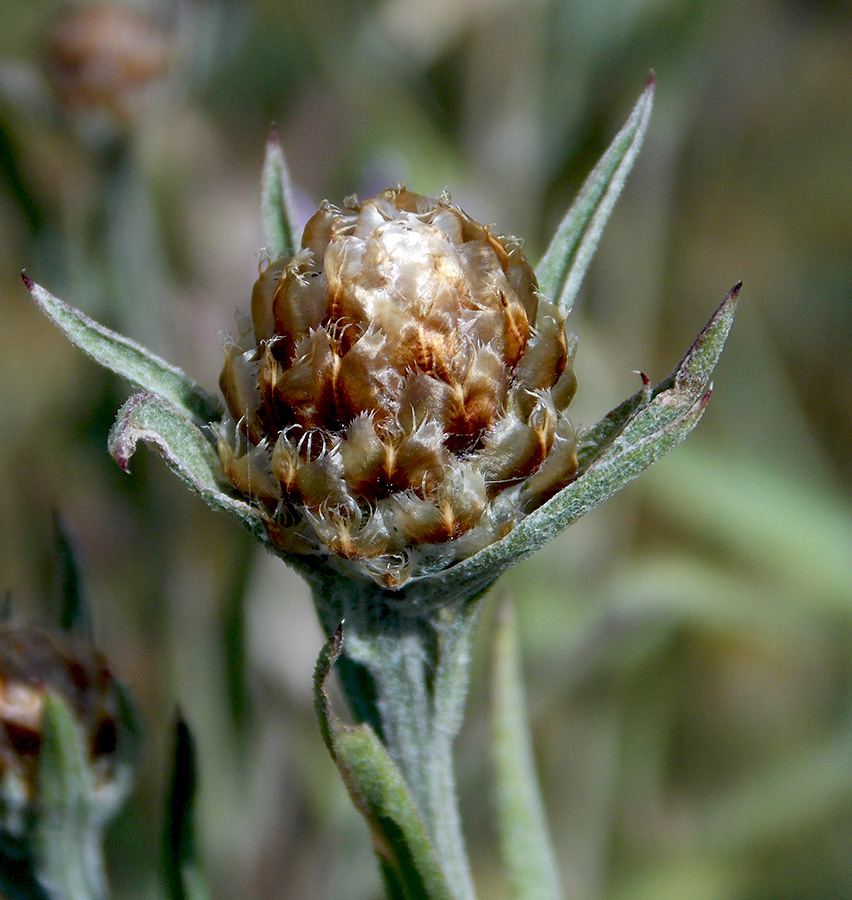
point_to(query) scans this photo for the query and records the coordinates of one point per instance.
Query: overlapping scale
(404, 399)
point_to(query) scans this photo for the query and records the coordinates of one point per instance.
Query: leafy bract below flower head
(403, 401)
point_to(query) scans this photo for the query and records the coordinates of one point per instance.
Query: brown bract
(402, 403)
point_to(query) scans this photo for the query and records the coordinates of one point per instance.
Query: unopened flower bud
(33, 665)
(403, 401)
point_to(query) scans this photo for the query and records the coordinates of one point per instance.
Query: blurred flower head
(33, 665)
(103, 59)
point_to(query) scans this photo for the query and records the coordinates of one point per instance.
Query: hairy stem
(407, 676)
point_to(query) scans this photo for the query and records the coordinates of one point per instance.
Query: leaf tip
(336, 640)
(122, 458)
(273, 140)
(121, 443)
(121, 451)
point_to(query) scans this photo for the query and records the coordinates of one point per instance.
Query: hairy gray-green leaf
(406, 855)
(620, 447)
(564, 264)
(127, 358)
(524, 838)
(188, 453)
(277, 204)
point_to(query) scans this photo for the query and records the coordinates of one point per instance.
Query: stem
(406, 674)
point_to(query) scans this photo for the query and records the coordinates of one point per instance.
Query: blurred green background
(689, 645)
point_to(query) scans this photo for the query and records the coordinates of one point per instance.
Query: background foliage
(689, 645)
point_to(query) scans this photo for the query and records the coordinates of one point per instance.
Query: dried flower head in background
(33, 665)
(105, 57)
(403, 401)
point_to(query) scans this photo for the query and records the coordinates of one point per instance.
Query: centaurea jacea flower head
(402, 403)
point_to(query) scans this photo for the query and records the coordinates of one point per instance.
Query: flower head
(403, 401)
(105, 58)
(398, 411)
(36, 665)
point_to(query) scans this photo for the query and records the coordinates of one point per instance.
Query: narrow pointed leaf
(126, 358)
(188, 453)
(180, 864)
(690, 378)
(75, 614)
(68, 832)
(277, 203)
(406, 856)
(524, 838)
(564, 264)
(620, 447)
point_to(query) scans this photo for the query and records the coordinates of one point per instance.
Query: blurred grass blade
(524, 838)
(616, 450)
(180, 865)
(783, 801)
(797, 530)
(235, 647)
(126, 358)
(277, 204)
(406, 856)
(75, 614)
(187, 452)
(564, 264)
(68, 832)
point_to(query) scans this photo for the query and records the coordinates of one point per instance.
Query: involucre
(402, 401)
